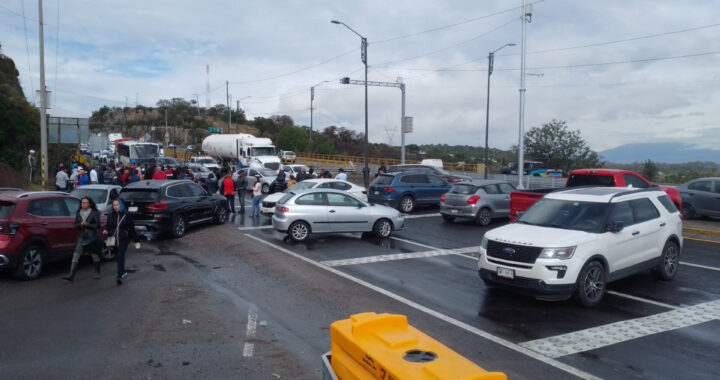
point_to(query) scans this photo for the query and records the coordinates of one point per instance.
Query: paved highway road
(237, 301)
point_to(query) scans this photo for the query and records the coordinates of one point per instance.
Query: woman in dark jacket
(87, 220)
(121, 228)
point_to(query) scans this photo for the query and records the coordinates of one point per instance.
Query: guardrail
(359, 161)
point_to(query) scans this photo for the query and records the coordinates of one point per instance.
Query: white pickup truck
(573, 242)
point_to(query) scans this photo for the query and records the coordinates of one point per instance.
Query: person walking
(119, 230)
(257, 195)
(31, 163)
(228, 187)
(241, 185)
(93, 176)
(341, 175)
(61, 180)
(87, 220)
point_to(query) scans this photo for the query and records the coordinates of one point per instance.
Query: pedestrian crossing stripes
(403, 256)
(601, 336)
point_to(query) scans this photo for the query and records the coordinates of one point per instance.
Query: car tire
(107, 253)
(383, 228)
(220, 215)
(448, 218)
(178, 226)
(669, 262)
(31, 263)
(265, 188)
(687, 211)
(299, 231)
(591, 284)
(406, 204)
(483, 217)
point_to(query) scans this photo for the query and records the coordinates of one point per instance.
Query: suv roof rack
(29, 193)
(635, 191)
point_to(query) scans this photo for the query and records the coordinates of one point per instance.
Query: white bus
(132, 151)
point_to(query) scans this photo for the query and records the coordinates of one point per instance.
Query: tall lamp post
(491, 59)
(312, 97)
(363, 57)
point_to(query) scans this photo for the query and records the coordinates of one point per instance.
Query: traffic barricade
(370, 346)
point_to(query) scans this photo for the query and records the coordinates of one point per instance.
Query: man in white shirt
(93, 176)
(341, 175)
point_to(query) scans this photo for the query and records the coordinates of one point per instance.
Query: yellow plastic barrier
(371, 346)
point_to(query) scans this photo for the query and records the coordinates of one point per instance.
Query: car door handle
(636, 233)
(332, 210)
(662, 224)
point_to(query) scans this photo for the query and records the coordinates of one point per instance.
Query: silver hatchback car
(332, 211)
(480, 200)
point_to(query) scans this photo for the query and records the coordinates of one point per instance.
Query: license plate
(376, 192)
(454, 211)
(133, 209)
(506, 273)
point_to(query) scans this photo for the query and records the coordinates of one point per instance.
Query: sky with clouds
(620, 72)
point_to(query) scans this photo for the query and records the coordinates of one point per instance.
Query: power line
(18, 14)
(27, 48)
(296, 71)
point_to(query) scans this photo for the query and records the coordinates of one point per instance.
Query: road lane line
(484, 334)
(401, 256)
(415, 216)
(656, 303)
(250, 330)
(700, 266)
(254, 228)
(613, 333)
(703, 240)
(414, 242)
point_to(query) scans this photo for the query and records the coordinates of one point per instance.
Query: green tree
(322, 144)
(292, 138)
(559, 147)
(650, 170)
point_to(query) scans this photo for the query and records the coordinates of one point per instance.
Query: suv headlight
(483, 245)
(557, 253)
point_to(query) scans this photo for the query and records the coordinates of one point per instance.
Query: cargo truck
(243, 149)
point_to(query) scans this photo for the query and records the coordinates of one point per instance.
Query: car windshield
(267, 172)
(139, 195)
(564, 214)
(202, 168)
(463, 189)
(97, 195)
(168, 161)
(262, 151)
(204, 160)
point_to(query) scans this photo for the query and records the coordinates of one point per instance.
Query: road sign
(408, 124)
(214, 130)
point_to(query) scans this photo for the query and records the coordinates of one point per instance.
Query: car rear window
(6, 209)
(463, 189)
(667, 203)
(285, 198)
(139, 195)
(382, 180)
(415, 178)
(590, 180)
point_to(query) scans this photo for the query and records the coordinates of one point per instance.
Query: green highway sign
(214, 130)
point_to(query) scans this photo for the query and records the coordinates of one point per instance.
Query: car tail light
(473, 200)
(9, 228)
(442, 198)
(157, 206)
(283, 209)
(389, 189)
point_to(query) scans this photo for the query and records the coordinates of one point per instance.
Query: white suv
(573, 242)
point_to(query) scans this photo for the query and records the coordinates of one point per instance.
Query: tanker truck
(243, 149)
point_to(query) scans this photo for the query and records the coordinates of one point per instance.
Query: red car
(36, 228)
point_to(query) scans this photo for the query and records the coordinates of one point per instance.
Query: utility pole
(526, 18)
(312, 98)
(227, 98)
(491, 60)
(43, 102)
(402, 121)
(124, 117)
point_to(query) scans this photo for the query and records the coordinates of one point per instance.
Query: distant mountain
(672, 153)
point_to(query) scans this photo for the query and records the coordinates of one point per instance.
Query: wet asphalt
(186, 310)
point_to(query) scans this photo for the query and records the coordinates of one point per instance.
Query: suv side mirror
(614, 226)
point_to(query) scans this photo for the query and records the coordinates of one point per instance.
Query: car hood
(274, 197)
(536, 236)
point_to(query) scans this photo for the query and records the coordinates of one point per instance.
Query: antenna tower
(390, 134)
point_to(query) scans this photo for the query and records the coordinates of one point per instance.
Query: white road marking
(459, 253)
(601, 336)
(640, 299)
(496, 339)
(700, 266)
(401, 256)
(254, 228)
(250, 330)
(415, 216)
(413, 242)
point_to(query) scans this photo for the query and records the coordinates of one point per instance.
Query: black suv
(171, 206)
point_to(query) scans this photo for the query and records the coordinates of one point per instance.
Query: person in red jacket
(159, 174)
(228, 186)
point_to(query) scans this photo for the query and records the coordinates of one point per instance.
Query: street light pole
(312, 98)
(526, 17)
(363, 57)
(491, 58)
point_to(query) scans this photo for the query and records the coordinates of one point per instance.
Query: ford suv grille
(512, 252)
